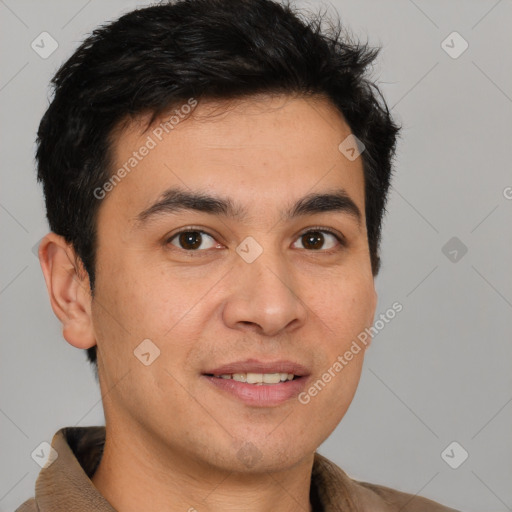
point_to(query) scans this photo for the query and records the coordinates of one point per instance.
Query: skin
(173, 439)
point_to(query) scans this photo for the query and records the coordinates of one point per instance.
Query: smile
(258, 378)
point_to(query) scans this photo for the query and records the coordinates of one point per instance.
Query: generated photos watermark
(152, 140)
(343, 360)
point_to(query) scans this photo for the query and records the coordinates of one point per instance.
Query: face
(215, 256)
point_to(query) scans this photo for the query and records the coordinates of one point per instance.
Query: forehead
(261, 150)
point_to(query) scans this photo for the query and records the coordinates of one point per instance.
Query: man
(215, 180)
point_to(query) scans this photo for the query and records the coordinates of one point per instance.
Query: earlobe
(68, 289)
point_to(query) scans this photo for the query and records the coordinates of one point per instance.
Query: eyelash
(338, 236)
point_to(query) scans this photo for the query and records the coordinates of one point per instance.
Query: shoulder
(397, 500)
(336, 488)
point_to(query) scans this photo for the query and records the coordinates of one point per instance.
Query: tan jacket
(65, 485)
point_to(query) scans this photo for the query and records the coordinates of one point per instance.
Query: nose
(264, 298)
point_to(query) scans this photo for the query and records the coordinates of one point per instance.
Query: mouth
(257, 383)
(258, 379)
(254, 367)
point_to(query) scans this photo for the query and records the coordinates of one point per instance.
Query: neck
(135, 476)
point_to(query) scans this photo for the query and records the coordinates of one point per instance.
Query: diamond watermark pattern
(454, 249)
(44, 45)
(351, 147)
(454, 455)
(44, 455)
(146, 352)
(249, 250)
(35, 248)
(454, 45)
(249, 454)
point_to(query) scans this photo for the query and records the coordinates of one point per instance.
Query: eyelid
(334, 232)
(186, 229)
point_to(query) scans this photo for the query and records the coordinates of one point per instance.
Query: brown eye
(313, 240)
(316, 240)
(192, 240)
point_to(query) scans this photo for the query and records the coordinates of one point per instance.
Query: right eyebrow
(175, 199)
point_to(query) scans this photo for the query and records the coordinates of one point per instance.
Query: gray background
(439, 372)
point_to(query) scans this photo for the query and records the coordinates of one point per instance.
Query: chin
(263, 456)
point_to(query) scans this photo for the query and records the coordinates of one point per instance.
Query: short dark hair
(156, 57)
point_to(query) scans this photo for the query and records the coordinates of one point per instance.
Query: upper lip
(256, 366)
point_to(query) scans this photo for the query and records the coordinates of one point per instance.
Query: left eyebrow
(176, 199)
(336, 201)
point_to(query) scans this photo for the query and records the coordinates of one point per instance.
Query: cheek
(346, 306)
(151, 302)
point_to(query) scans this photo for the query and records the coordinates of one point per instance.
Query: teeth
(254, 378)
(258, 378)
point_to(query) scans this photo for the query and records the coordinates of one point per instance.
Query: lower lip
(264, 395)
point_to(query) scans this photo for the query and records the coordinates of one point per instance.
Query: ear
(69, 290)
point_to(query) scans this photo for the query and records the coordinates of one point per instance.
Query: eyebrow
(176, 200)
